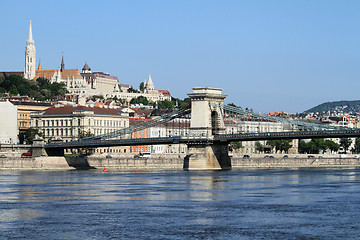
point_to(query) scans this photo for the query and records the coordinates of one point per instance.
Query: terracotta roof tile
(66, 73)
(165, 92)
(70, 109)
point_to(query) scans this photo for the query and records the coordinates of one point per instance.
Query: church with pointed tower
(87, 83)
(30, 56)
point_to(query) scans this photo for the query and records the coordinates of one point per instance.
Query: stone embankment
(37, 163)
(170, 161)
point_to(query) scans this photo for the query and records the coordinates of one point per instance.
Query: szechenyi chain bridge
(206, 138)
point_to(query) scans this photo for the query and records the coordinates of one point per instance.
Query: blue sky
(268, 55)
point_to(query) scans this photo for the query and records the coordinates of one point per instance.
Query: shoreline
(170, 162)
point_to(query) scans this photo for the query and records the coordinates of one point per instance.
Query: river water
(316, 203)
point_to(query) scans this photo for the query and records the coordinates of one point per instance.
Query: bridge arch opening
(215, 122)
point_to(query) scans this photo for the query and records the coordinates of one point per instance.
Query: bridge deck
(201, 140)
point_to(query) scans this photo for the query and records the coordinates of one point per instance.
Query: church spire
(39, 67)
(30, 56)
(62, 64)
(30, 38)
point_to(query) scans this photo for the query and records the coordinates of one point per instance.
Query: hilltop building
(99, 83)
(72, 78)
(149, 92)
(86, 83)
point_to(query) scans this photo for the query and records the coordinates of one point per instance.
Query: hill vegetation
(338, 106)
(41, 89)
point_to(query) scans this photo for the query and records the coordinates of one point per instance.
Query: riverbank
(172, 161)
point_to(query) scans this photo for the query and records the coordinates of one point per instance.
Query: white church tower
(30, 57)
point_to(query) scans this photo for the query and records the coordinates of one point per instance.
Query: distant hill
(338, 106)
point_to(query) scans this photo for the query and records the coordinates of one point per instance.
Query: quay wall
(167, 162)
(36, 163)
(294, 162)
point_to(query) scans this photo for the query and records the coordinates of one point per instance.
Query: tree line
(314, 146)
(40, 89)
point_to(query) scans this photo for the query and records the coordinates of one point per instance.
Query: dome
(155, 112)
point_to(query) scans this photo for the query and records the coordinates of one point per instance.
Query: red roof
(71, 109)
(165, 92)
(135, 121)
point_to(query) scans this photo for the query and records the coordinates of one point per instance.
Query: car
(285, 156)
(108, 156)
(26, 155)
(266, 156)
(311, 156)
(246, 156)
(271, 156)
(142, 155)
(3, 156)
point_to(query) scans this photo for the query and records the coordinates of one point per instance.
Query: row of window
(66, 123)
(24, 116)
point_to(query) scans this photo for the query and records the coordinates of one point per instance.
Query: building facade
(149, 92)
(8, 123)
(70, 123)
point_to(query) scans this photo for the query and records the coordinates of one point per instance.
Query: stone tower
(207, 120)
(149, 86)
(30, 57)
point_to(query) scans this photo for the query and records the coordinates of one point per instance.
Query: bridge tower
(206, 121)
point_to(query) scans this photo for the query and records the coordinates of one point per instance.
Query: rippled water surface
(237, 204)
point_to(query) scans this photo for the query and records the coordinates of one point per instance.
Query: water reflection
(250, 204)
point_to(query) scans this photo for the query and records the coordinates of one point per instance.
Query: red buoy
(105, 170)
(269, 167)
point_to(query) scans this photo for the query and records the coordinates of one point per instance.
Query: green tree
(345, 143)
(165, 104)
(13, 91)
(280, 145)
(40, 89)
(303, 147)
(140, 99)
(94, 97)
(235, 145)
(141, 86)
(332, 146)
(86, 151)
(259, 147)
(320, 145)
(356, 148)
(30, 134)
(131, 90)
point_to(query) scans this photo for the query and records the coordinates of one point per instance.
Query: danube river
(316, 203)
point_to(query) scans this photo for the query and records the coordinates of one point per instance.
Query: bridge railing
(132, 129)
(305, 126)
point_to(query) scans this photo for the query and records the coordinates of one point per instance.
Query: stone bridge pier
(206, 121)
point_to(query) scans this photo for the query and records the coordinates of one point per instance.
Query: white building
(149, 92)
(248, 125)
(8, 123)
(69, 123)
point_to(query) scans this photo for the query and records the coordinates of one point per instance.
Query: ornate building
(70, 123)
(72, 78)
(99, 83)
(149, 92)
